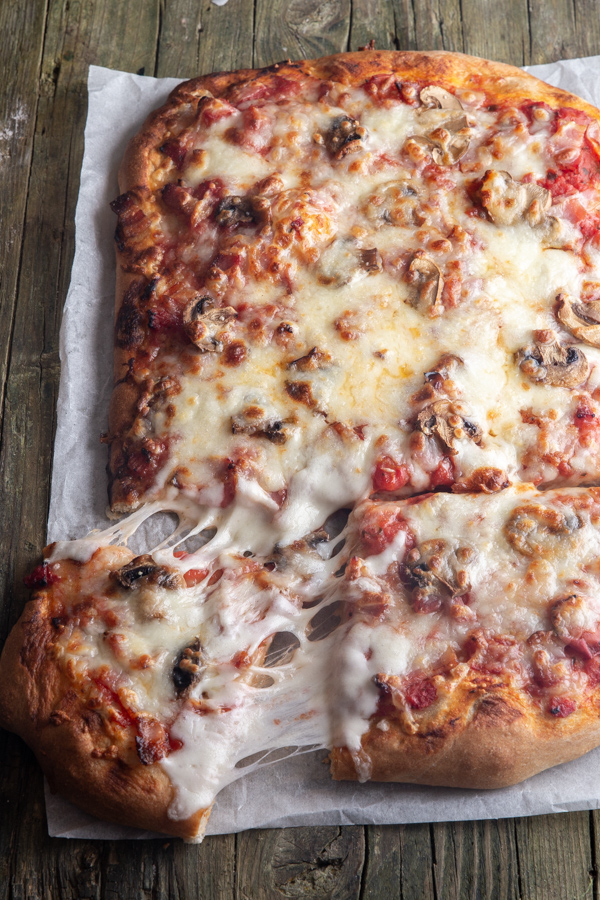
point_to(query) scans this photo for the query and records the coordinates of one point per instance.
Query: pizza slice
(445, 639)
(369, 274)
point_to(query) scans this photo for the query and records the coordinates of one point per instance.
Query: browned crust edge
(499, 742)
(38, 704)
(450, 70)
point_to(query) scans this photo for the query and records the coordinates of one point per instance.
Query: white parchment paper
(298, 791)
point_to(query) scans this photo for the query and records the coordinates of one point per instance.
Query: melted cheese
(305, 414)
(326, 695)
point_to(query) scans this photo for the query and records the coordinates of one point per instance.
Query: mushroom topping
(233, 211)
(446, 419)
(395, 203)
(253, 421)
(581, 319)
(508, 201)
(342, 262)
(370, 260)
(426, 277)
(189, 668)
(204, 325)
(435, 574)
(314, 359)
(535, 530)
(448, 142)
(143, 571)
(344, 136)
(435, 97)
(548, 362)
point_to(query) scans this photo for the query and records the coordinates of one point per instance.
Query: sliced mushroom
(508, 201)
(234, 210)
(438, 382)
(536, 530)
(548, 362)
(314, 359)
(556, 236)
(204, 325)
(435, 97)
(446, 420)
(342, 262)
(581, 319)
(345, 136)
(189, 668)
(370, 260)
(448, 141)
(395, 203)
(253, 422)
(426, 277)
(143, 570)
(436, 574)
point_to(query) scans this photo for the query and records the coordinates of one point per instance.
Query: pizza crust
(498, 743)
(78, 757)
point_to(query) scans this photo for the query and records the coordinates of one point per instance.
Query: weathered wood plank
(22, 24)
(300, 29)
(399, 863)
(76, 34)
(322, 862)
(196, 38)
(498, 30)
(372, 20)
(555, 856)
(476, 859)
(429, 25)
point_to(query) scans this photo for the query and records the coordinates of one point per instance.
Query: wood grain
(300, 29)
(47, 47)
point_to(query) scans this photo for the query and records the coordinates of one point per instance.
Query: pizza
(357, 355)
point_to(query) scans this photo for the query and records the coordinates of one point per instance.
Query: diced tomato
(420, 692)
(180, 554)
(42, 576)
(575, 177)
(389, 475)
(380, 527)
(194, 576)
(443, 476)
(561, 707)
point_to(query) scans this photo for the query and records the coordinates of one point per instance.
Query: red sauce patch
(194, 576)
(420, 692)
(380, 526)
(443, 476)
(561, 707)
(389, 475)
(42, 576)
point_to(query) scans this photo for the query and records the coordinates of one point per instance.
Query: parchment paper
(298, 791)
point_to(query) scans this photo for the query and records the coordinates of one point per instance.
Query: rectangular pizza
(357, 354)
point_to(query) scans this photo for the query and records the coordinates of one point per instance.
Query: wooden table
(45, 49)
